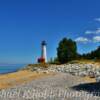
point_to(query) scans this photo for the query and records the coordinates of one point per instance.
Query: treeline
(95, 54)
(67, 51)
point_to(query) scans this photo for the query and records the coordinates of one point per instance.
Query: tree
(95, 54)
(67, 50)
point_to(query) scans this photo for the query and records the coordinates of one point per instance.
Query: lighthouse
(44, 51)
(43, 58)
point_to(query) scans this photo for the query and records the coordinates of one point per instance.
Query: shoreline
(9, 72)
(28, 73)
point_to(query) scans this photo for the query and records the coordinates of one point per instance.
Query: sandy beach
(20, 77)
(20, 85)
(25, 76)
(43, 84)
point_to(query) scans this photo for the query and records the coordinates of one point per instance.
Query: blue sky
(25, 23)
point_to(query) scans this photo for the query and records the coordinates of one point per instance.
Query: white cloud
(96, 39)
(97, 31)
(89, 32)
(82, 39)
(97, 19)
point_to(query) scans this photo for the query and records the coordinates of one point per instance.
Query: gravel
(57, 87)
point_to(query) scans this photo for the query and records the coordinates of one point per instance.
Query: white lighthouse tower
(44, 51)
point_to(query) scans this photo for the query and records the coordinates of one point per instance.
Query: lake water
(10, 68)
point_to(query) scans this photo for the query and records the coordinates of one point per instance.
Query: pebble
(77, 69)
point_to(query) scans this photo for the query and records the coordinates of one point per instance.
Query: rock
(91, 74)
(97, 73)
(98, 79)
(46, 72)
(76, 69)
(82, 74)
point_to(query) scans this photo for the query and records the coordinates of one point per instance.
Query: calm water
(10, 68)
